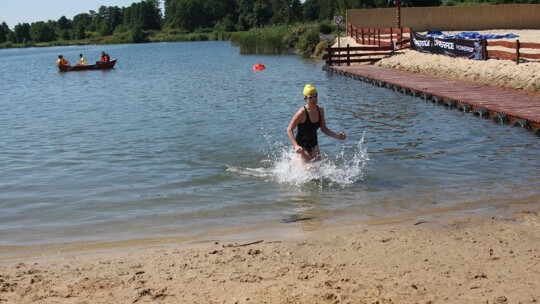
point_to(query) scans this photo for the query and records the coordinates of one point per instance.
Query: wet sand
(447, 259)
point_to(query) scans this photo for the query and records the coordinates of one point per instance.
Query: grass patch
(300, 39)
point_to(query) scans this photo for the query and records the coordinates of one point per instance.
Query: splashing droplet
(283, 166)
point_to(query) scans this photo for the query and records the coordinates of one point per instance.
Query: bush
(137, 35)
(320, 49)
(325, 28)
(308, 42)
(6, 45)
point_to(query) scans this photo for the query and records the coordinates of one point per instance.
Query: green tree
(21, 33)
(65, 35)
(262, 14)
(42, 32)
(286, 11)
(253, 13)
(170, 13)
(145, 14)
(328, 9)
(218, 10)
(226, 24)
(4, 31)
(81, 23)
(84, 19)
(310, 10)
(190, 14)
(295, 10)
(80, 32)
(153, 15)
(92, 26)
(102, 21)
(115, 17)
(245, 14)
(137, 35)
(104, 28)
(64, 24)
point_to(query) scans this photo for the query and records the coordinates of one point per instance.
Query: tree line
(190, 16)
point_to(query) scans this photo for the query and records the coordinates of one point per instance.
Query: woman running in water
(308, 119)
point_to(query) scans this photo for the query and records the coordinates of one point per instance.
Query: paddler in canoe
(61, 61)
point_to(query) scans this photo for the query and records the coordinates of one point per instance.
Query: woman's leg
(315, 154)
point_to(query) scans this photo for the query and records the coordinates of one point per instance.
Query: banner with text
(453, 47)
(421, 43)
(464, 48)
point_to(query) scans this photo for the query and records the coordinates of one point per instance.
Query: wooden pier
(505, 106)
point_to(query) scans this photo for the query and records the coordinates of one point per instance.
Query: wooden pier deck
(506, 106)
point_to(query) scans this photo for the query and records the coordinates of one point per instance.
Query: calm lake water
(184, 141)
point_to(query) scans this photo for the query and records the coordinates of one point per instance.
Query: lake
(184, 142)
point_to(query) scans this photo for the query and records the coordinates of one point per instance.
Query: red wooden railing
(514, 53)
(377, 43)
(351, 54)
(399, 38)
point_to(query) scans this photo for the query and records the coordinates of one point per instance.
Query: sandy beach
(503, 73)
(463, 259)
(440, 257)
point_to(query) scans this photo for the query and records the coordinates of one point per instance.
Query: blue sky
(19, 11)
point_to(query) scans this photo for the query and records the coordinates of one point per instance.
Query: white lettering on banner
(424, 43)
(444, 44)
(464, 48)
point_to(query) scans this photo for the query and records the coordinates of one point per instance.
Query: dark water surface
(185, 141)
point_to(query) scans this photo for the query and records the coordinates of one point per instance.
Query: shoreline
(12, 254)
(441, 256)
(448, 258)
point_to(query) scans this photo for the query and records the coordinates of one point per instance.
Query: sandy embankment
(503, 73)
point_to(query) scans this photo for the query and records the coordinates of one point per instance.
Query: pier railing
(510, 50)
(398, 38)
(376, 44)
(355, 54)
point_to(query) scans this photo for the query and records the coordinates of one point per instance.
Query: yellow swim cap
(309, 89)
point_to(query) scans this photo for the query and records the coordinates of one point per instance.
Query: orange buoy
(259, 67)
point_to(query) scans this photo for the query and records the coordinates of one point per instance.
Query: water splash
(283, 166)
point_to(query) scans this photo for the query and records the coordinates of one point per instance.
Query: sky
(14, 12)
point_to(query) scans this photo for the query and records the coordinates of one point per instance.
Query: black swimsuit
(307, 132)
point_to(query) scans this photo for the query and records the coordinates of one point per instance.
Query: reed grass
(269, 40)
(178, 36)
(279, 40)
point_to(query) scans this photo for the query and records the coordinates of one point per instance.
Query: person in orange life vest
(308, 119)
(61, 61)
(105, 57)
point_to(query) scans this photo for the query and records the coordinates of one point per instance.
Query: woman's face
(312, 98)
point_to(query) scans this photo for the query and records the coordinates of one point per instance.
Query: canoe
(97, 66)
